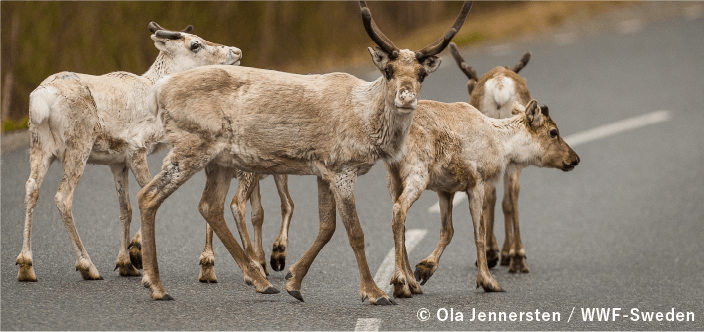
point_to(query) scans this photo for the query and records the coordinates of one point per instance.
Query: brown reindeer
(493, 94)
(334, 126)
(83, 119)
(454, 147)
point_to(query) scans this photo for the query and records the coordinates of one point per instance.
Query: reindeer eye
(195, 46)
(553, 133)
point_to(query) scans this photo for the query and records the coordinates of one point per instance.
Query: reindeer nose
(236, 51)
(406, 99)
(576, 162)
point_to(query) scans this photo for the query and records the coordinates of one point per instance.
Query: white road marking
(386, 270)
(384, 273)
(617, 127)
(591, 135)
(367, 324)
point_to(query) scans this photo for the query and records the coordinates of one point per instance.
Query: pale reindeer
(493, 94)
(454, 147)
(334, 126)
(83, 119)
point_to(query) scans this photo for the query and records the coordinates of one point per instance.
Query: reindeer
(454, 147)
(493, 95)
(334, 126)
(83, 119)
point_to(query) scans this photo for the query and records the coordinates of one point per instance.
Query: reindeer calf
(454, 147)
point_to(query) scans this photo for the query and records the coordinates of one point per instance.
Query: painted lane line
(384, 273)
(367, 324)
(591, 135)
(386, 270)
(617, 127)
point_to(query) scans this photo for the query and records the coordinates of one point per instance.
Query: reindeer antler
(466, 69)
(375, 34)
(440, 44)
(521, 63)
(154, 27)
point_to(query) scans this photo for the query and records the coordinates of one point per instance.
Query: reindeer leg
(428, 266)
(248, 183)
(40, 160)
(140, 169)
(257, 221)
(518, 257)
(342, 185)
(411, 193)
(74, 163)
(484, 278)
(326, 214)
(207, 258)
(120, 174)
(492, 251)
(278, 254)
(507, 207)
(211, 206)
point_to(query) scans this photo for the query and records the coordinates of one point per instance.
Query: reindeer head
(405, 70)
(472, 74)
(555, 152)
(189, 51)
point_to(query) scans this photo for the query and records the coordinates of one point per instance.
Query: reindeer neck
(161, 67)
(519, 147)
(386, 127)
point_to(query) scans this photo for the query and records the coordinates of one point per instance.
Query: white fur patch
(40, 103)
(502, 88)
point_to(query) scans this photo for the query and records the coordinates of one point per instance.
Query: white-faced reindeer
(105, 120)
(454, 147)
(493, 94)
(334, 126)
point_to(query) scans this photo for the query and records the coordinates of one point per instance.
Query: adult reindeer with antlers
(493, 94)
(334, 126)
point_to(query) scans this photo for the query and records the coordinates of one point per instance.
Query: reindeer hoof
(166, 297)
(423, 272)
(384, 301)
(492, 258)
(277, 262)
(296, 294)
(271, 290)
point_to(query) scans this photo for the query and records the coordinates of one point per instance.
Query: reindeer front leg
(484, 278)
(400, 279)
(428, 266)
(342, 185)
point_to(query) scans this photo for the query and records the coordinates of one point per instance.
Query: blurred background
(42, 38)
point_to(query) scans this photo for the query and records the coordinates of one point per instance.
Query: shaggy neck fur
(161, 67)
(520, 149)
(386, 127)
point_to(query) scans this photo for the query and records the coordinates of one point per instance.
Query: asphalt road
(623, 230)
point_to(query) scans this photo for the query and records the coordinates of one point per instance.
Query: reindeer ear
(431, 63)
(379, 57)
(534, 114)
(160, 43)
